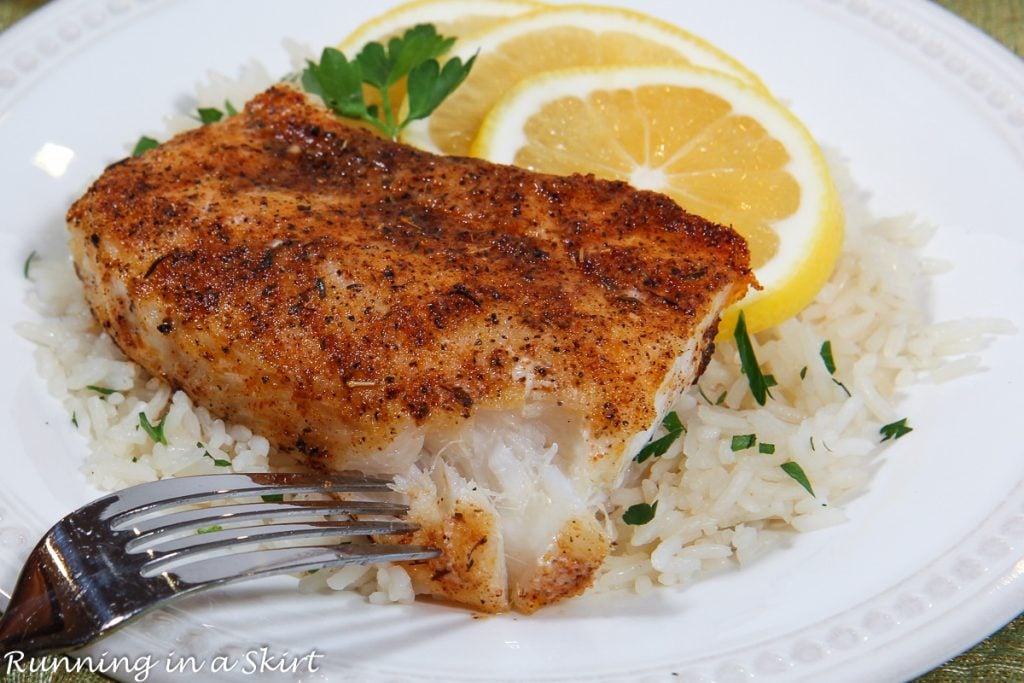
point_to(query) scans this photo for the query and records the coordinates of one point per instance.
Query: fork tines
(216, 528)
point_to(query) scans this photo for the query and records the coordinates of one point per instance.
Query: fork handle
(37, 618)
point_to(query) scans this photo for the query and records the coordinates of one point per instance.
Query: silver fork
(129, 552)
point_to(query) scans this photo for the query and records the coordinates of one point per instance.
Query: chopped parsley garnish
(826, 356)
(842, 386)
(74, 419)
(217, 461)
(830, 365)
(155, 432)
(673, 424)
(742, 442)
(28, 263)
(208, 115)
(639, 514)
(145, 143)
(659, 446)
(704, 396)
(721, 398)
(797, 473)
(210, 529)
(895, 430)
(412, 56)
(766, 448)
(755, 378)
(803, 372)
(273, 498)
(101, 390)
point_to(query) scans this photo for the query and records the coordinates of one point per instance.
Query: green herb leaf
(74, 419)
(704, 396)
(145, 143)
(826, 356)
(273, 498)
(721, 398)
(383, 67)
(217, 461)
(767, 448)
(412, 56)
(659, 446)
(895, 430)
(756, 380)
(797, 473)
(101, 390)
(210, 529)
(155, 432)
(743, 441)
(639, 514)
(208, 115)
(430, 84)
(339, 82)
(842, 386)
(28, 263)
(673, 424)
(803, 372)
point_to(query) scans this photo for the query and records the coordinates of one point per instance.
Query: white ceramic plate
(929, 114)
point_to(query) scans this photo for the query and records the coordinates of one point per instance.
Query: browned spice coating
(329, 288)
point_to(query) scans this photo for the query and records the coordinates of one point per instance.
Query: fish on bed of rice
(716, 506)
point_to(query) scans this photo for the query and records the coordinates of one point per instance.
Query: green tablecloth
(1001, 656)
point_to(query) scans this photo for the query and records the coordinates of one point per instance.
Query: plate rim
(969, 45)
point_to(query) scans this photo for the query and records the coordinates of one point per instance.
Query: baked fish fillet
(503, 341)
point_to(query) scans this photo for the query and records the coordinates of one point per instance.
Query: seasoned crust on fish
(358, 301)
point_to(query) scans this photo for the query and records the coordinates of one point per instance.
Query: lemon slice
(556, 37)
(721, 148)
(456, 18)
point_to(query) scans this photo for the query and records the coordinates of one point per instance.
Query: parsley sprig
(28, 263)
(797, 474)
(830, 364)
(895, 430)
(413, 56)
(155, 432)
(208, 115)
(145, 144)
(640, 514)
(673, 428)
(758, 381)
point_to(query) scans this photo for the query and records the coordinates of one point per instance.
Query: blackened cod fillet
(503, 341)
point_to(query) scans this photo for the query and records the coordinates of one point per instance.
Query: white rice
(717, 507)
